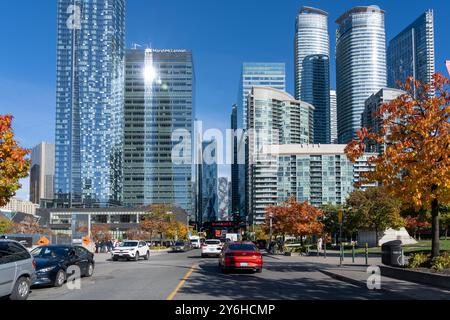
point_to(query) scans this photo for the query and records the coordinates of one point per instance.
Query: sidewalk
(356, 274)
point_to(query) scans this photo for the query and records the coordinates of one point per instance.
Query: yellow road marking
(175, 291)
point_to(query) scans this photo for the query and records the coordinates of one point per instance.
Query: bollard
(367, 254)
(325, 251)
(353, 253)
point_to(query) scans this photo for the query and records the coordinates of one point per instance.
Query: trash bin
(392, 253)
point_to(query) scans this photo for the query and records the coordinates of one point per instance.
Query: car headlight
(47, 269)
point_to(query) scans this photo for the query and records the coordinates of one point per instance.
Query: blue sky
(221, 33)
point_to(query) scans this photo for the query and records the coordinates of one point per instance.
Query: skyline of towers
(360, 65)
(312, 67)
(89, 102)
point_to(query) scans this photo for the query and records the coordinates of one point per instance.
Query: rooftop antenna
(136, 45)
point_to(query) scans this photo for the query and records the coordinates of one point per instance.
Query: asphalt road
(186, 276)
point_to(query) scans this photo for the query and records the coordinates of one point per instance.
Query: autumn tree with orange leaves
(13, 163)
(415, 133)
(294, 218)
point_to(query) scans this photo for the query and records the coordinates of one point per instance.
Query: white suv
(211, 248)
(131, 249)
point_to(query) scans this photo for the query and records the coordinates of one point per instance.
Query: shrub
(441, 262)
(418, 260)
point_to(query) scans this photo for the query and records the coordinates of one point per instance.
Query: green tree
(6, 225)
(374, 209)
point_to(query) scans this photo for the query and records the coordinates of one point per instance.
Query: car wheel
(115, 259)
(224, 270)
(90, 270)
(136, 257)
(147, 256)
(60, 278)
(259, 270)
(21, 289)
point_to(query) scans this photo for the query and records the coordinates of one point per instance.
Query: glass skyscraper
(360, 65)
(258, 74)
(89, 102)
(312, 67)
(411, 52)
(159, 99)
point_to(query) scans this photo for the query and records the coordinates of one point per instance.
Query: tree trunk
(435, 228)
(446, 233)
(376, 237)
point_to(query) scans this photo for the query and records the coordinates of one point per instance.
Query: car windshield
(50, 252)
(212, 241)
(130, 244)
(179, 244)
(242, 247)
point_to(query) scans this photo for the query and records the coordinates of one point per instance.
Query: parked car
(131, 249)
(17, 270)
(53, 261)
(181, 246)
(240, 255)
(211, 247)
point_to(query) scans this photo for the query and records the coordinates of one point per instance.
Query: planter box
(432, 279)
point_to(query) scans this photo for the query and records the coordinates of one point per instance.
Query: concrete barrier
(432, 279)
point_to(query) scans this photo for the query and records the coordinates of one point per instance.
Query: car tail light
(33, 262)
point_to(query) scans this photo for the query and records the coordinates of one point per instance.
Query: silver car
(17, 270)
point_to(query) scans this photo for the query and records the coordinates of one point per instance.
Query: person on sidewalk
(319, 245)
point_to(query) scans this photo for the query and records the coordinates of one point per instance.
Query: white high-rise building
(333, 117)
(360, 65)
(312, 67)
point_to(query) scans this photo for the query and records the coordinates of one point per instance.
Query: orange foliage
(13, 165)
(296, 219)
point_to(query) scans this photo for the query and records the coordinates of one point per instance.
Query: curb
(359, 283)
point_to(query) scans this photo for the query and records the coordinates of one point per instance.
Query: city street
(186, 276)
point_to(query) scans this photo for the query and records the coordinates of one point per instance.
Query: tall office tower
(256, 74)
(89, 102)
(369, 119)
(234, 166)
(411, 52)
(447, 63)
(223, 194)
(274, 117)
(360, 65)
(312, 67)
(42, 172)
(209, 182)
(158, 106)
(333, 117)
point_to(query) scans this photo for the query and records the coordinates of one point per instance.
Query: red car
(240, 256)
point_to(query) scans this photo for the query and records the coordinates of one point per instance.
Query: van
(17, 270)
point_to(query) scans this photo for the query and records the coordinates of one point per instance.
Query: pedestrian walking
(319, 245)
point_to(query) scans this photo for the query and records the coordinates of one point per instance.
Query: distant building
(224, 200)
(411, 52)
(333, 117)
(209, 182)
(319, 174)
(369, 120)
(448, 66)
(258, 74)
(312, 67)
(360, 65)
(274, 117)
(22, 206)
(42, 172)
